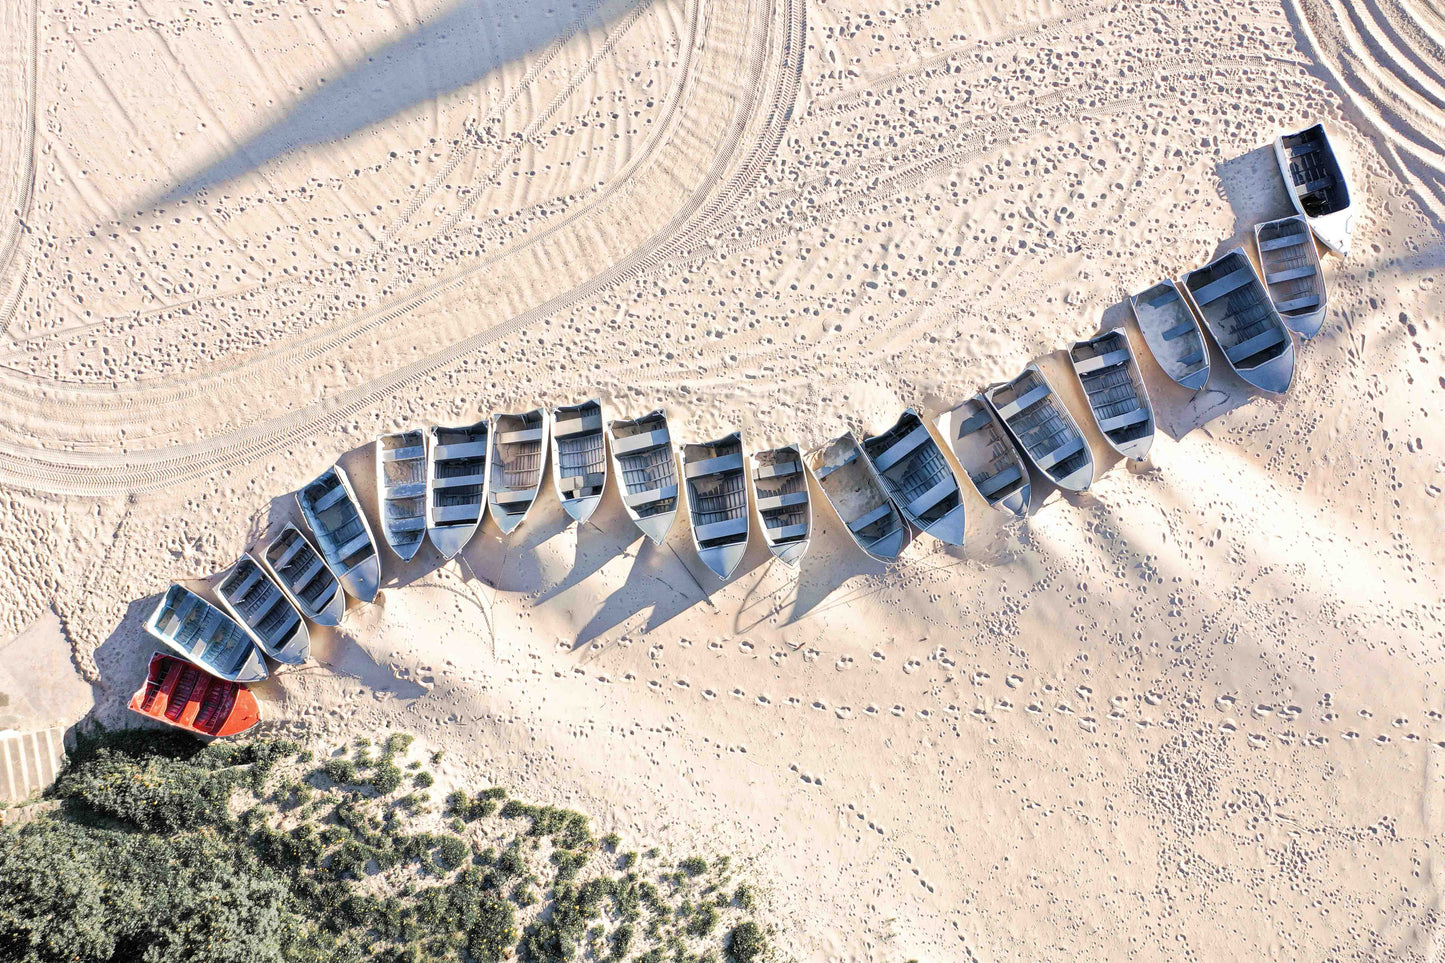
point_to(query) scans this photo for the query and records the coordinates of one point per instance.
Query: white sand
(1194, 713)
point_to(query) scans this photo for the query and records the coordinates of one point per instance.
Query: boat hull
(166, 672)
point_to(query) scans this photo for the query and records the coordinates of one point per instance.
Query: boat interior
(175, 684)
(1314, 172)
(401, 472)
(1028, 406)
(581, 449)
(781, 487)
(986, 452)
(338, 525)
(914, 471)
(198, 627)
(1238, 310)
(1292, 272)
(518, 455)
(1172, 333)
(304, 573)
(643, 448)
(264, 609)
(1107, 370)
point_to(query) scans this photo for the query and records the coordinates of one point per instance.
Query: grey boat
(918, 478)
(264, 611)
(1172, 333)
(717, 501)
(1318, 185)
(1040, 422)
(784, 506)
(854, 490)
(646, 469)
(987, 453)
(401, 486)
(1110, 377)
(579, 458)
(343, 535)
(302, 574)
(203, 634)
(456, 478)
(1232, 300)
(514, 475)
(1292, 273)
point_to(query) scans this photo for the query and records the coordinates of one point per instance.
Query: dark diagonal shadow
(461, 46)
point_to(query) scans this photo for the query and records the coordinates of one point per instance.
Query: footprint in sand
(846, 662)
(912, 666)
(739, 693)
(820, 706)
(764, 701)
(709, 694)
(879, 657)
(746, 647)
(898, 711)
(715, 646)
(1014, 681)
(654, 684)
(843, 712)
(979, 678)
(871, 710)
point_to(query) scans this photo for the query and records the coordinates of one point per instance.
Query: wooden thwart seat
(1260, 342)
(998, 481)
(592, 479)
(1137, 416)
(452, 514)
(714, 466)
(723, 529)
(1179, 330)
(578, 424)
(974, 422)
(519, 436)
(1011, 410)
(640, 499)
(252, 577)
(409, 490)
(460, 449)
(1100, 362)
(1163, 297)
(514, 497)
(1217, 289)
(333, 496)
(360, 540)
(902, 448)
(403, 454)
(780, 470)
(881, 512)
(411, 523)
(1294, 304)
(456, 481)
(641, 442)
(770, 502)
(932, 497)
(1292, 274)
(1309, 187)
(1288, 240)
(1065, 450)
(787, 533)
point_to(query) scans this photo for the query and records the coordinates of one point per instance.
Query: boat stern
(253, 669)
(790, 554)
(1335, 231)
(656, 527)
(364, 580)
(1015, 502)
(723, 559)
(451, 539)
(581, 509)
(1275, 375)
(949, 528)
(887, 548)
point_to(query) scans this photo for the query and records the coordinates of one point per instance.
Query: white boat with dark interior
(646, 467)
(1041, 423)
(1231, 299)
(519, 453)
(987, 453)
(401, 485)
(784, 506)
(1173, 334)
(1110, 378)
(203, 634)
(1318, 184)
(918, 478)
(717, 501)
(456, 480)
(264, 611)
(1292, 273)
(343, 535)
(579, 457)
(856, 493)
(303, 575)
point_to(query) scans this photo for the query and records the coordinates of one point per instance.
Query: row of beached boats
(438, 483)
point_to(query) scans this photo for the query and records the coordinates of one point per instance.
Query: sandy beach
(1193, 713)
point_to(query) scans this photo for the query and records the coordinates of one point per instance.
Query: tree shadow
(459, 47)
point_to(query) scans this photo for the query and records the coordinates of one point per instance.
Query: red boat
(190, 698)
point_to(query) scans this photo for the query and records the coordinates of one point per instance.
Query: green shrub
(422, 780)
(746, 943)
(386, 779)
(451, 853)
(693, 866)
(704, 918)
(340, 770)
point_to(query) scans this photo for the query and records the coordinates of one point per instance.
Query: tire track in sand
(108, 473)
